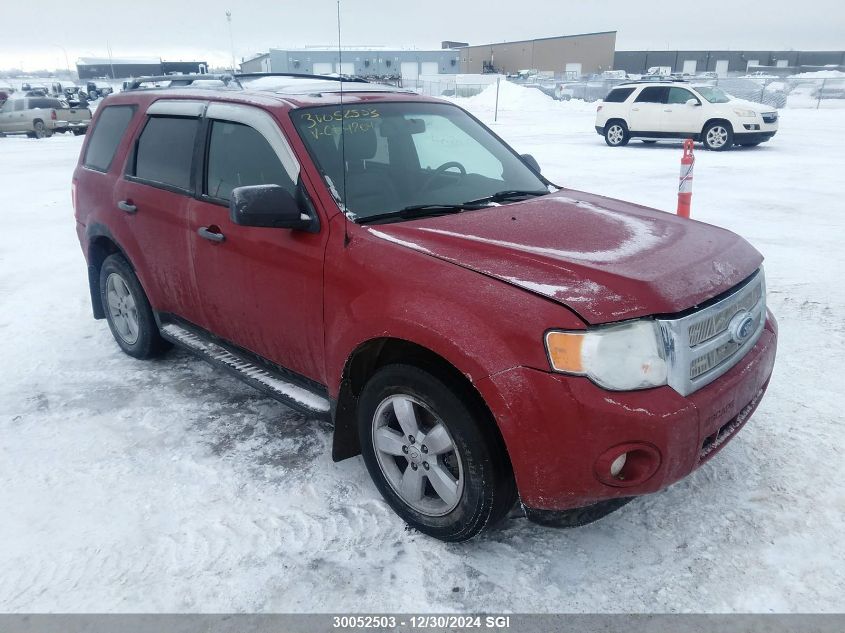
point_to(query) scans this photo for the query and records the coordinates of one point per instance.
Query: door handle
(125, 205)
(211, 235)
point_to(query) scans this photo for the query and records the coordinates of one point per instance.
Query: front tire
(128, 310)
(616, 134)
(432, 455)
(718, 136)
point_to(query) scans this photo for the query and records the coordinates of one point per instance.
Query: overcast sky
(36, 34)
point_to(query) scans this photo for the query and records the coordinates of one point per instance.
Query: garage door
(322, 68)
(346, 68)
(430, 68)
(722, 67)
(410, 70)
(689, 66)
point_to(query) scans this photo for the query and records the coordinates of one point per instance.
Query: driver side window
(444, 142)
(680, 95)
(238, 156)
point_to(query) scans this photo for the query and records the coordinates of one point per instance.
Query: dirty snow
(167, 486)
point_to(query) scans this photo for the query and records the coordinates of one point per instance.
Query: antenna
(342, 132)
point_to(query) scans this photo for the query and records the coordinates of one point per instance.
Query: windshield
(401, 155)
(713, 94)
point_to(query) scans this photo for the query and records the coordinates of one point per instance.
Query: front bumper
(559, 429)
(753, 137)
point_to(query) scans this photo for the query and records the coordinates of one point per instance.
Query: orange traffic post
(685, 182)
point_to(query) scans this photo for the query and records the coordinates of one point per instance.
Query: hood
(605, 259)
(759, 108)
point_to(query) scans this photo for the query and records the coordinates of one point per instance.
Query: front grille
(770, 117)
(708, 326)
(702, 346)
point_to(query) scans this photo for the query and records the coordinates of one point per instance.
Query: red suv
(385, 261)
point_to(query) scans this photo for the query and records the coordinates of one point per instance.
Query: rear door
(678, 117)
(261, 288)
(647, 110)
(152, 200)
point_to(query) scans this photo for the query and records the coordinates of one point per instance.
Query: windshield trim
(329, 186)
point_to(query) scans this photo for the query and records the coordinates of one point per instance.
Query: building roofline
(539, 39)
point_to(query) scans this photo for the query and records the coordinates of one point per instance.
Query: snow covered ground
(132, 486)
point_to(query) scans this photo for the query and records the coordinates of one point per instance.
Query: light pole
(67, 61)
(231, 39)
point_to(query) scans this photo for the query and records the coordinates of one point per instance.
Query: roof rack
(344, 78)
(654, 79)
(181, 80)
(176, 81)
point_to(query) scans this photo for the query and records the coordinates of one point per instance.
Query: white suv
(676, 109)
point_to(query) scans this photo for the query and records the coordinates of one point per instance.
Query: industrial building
(363, 62)
(727, 62)
(102, 67)
(575, 55)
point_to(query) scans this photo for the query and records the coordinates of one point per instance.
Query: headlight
(618, 357)
(746, 113)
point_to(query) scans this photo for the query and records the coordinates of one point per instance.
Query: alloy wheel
(417, 455)
(717, 136)
(122, 308)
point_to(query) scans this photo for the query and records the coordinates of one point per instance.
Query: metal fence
(789, 92)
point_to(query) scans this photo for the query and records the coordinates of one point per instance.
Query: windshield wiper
(508, 194)
(419, 211)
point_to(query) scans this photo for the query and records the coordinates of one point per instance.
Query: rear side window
(239, 156)
(43, 102)
(110, 128)
(165, 150)
(618, 95)
(653, 94)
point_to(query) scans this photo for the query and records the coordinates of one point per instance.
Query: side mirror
(693, 102)
(529, 160)
(268, 206)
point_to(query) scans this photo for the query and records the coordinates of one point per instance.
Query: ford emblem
(741, 327)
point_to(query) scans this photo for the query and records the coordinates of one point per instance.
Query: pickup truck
(41, 117)
(383, 261)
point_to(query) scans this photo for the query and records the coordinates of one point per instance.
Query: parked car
(653, 111)
(389, 264)
(6, 91)
(97, 89)
(40, 117)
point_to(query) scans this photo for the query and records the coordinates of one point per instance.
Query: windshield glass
(713, 94)
(400, 155)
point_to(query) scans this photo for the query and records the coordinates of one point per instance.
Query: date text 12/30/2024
(453, 622)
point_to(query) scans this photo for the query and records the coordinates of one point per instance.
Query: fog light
(618, 464)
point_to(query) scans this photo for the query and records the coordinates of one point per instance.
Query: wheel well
(615, 120)
(712, 121)
(99, 248)
(369, 358)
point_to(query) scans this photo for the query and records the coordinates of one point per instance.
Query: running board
(273, 383)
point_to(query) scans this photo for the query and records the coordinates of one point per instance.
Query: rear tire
(616, 133)
(39, 130)
(128, 310)
(432, 456)
(718, 136)
(79, 131)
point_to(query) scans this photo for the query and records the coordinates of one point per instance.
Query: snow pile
(513, 97)
(820, 74)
